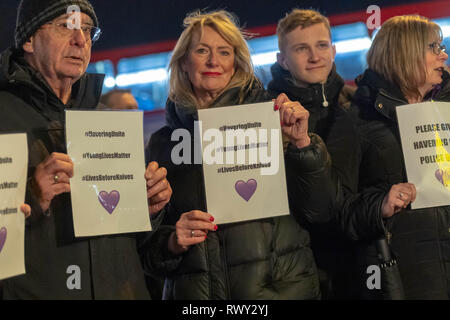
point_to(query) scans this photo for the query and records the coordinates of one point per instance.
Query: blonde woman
(405, 65)
(263, 259)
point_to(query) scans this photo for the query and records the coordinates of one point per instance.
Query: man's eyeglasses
(90, 32)
(437, 48)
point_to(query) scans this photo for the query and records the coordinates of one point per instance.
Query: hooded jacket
(109, 265)
(420, 239)
(321, 100)
(327, 105)
(262, 259)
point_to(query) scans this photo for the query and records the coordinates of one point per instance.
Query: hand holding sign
(192, 228)
(26, 210)
(52, 178)
(398, 198)
(294, 121)
(158, 188)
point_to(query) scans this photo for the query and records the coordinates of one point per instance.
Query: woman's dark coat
(420, 239)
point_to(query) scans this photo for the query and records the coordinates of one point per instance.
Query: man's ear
(28, 46)
(281, 59)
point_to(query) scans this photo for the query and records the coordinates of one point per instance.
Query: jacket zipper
(442, 267)
(222, 248)
(225, 264)
(383, 93)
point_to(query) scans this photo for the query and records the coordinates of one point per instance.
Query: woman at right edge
(406, 64)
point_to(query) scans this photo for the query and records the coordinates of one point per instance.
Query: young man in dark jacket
(40, 77)
(305, 71)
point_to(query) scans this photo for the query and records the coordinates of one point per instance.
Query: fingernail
(211, 219)
(277, 108)
(282, 123)
(215, 228)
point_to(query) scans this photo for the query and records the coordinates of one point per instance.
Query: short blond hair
(398, 51)
(299, 18)
(226, 25)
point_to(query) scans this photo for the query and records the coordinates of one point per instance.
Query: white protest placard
(243, 162)
(425, 134)
(108, 189)
(13, 179)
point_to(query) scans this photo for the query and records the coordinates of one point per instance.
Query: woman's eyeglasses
(437, 48)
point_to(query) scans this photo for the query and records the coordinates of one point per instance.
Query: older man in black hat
(40, 77)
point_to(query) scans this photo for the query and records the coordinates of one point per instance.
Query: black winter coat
(420, 238)
(327, 104)
(110, 265)
(262, 259)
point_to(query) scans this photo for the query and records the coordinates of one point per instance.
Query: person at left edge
(40, 77)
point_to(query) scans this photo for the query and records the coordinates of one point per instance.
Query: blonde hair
(299, 18)
(226, 25)
(398, 51)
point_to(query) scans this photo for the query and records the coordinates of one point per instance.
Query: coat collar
(378, 94)
(309, 95)
(183, 116)
(385, 97)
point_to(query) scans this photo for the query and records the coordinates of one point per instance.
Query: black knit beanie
(32, 14)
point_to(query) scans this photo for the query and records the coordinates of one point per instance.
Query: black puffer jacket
(263, 259)
(327, 104)
(110, 266)
(331, 122)
(420, 238)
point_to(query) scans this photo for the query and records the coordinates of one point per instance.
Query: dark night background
(137, 22)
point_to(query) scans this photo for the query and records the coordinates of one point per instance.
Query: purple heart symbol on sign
(110, 200)
(246, 189)
(440, 175)
(2, 238)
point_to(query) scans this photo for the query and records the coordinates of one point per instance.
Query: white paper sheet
(13, 179)
(108, 189)
(425, 135)
(244, 176)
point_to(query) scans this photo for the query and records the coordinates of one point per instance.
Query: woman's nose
(212, 59)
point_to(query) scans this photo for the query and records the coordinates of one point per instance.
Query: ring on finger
(56, 179)
(401, 195)
(192, 233)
